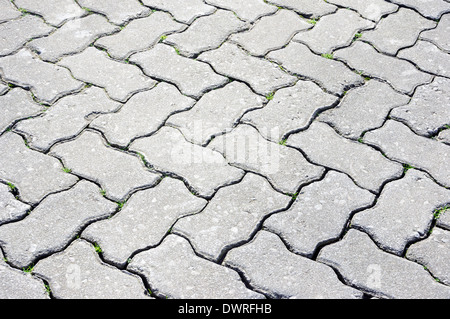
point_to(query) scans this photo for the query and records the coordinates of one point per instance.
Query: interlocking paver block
(119, 79)
(204, 170)
(139, 34)
(333, 31)
(144, 220)
(192, 77)
(174, 271)
(78, 273)
(319, 214)
(444, 136)
(403, 212)
(290, 110)
(55, 12)
(216, 112)
(271, 32)
(285, 168)
(10, 208)
(401, 74)
(66, 118)
(367, 167)
(187, 13)
(142, 115)
(333, 75)
(206, 33)
(8, 11)
(439, 35)
(399, 143)
(118, 11)
(47, 81)
(428, 8)
(272, 269)
(249, 10)
(34, 174)
(73, 37)
(314, 8)
(231, 216)
(263, 76)
(397, 30)
(363, 108)
(369, 9)
(428, 109)
(363, 265)
(54, 223)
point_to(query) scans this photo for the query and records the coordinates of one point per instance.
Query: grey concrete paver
(8, 11)
(314, 8)
(444, 136)
(186, 14)
(10, 208)
(3, 88)
(249, 10)
(438, 35)
(369, 9)
(432, 9)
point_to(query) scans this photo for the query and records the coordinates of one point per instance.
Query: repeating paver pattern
(369, 9)
(187, 13)
(249, 10)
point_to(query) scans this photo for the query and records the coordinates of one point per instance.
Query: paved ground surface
(225, 149)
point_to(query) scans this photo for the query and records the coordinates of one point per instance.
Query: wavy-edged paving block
(401, 144)
(34, 174)
(204, 170)
(187, 13)
(79, 273)
(66, 118)
(249, 10)
(54, 223)
(271, 32)
(54, 12)
(10, 208)
(73, 37)
(46, 81)
(363, 265)
(261, 75)
(231, 216)
(118, 11)
(144, 220)
(319, 214)
(174, 271)
(216, 112)
(284, 167)
(143, 114)
(272, 269)
(120, 80)
(432, 9)
(314, 8)
(366, 166)
(139, 34)
(8, 11)
(439, 35)
(369, 9)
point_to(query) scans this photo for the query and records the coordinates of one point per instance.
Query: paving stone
(66, 118)
(314, 8)
(3, 88)
(428, 57)
(187, 13)
(8, 11)
(143, 221)
(333, 75)
(119, 79)
(290, 110)
(17, 105)
(271, 32)
(428, 8)
(384, 275)
(206, 33)
(204, 170)
(55, 12)
(444, 218)
(216, 112)
(285, 168)
(174, 271)
(139, 34)
(397, 31)
(34, 174)
(73, 37)
(444, 136)
(143, 114)
(192, 77)
(367, 167)
(273, 270)
(249, 10)
(16, 284)
(263, 76)
(231, 216)
(333, 31)
(78, 273)
(52, 225)
(46, 81)
(363, 108)
(118, 11)
(438, 36)
(369, 9)
(401, 74)
(433, 253)
(14, 34)
(10, 208)
(399, 143)
(319, 214)
(403, 212)
(426, 113)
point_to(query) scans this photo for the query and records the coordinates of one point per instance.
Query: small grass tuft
(270, 96)
(328, 56)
